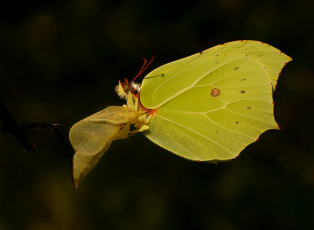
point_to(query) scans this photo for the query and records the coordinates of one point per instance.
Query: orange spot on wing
(215, 92)
(152, 111)
(149, 111)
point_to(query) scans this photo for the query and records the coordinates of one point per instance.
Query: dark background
(60, 62)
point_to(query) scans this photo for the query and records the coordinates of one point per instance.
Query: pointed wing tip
(289, 60)
(77, 173)
(75, 184)
(286, 57)
(277, 127)
(75, 180)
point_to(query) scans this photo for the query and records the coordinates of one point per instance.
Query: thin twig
(9, 125)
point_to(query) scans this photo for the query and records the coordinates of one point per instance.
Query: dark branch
(9, 125)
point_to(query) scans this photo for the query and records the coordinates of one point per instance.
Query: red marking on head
(275, 86)
(271, 83)
(135, 93)
(198, 160)
(256, 139)
(278, 126)
(125, 84)
(273, 103)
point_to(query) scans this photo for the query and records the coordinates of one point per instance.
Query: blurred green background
(60, 62)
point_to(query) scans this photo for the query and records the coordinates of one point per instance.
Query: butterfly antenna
(144, 66)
